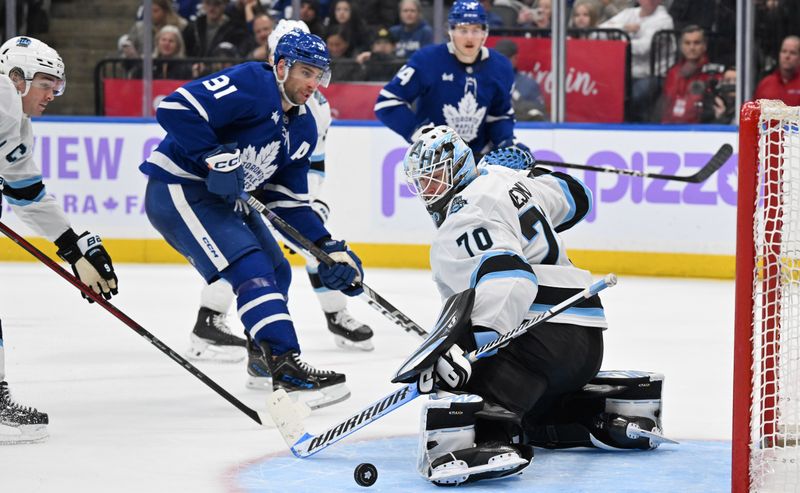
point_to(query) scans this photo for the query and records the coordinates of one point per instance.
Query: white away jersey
(501, 238)
(20, 176)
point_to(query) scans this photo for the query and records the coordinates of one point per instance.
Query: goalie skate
(20, 424)
(655, 436)
(211, 339)
(483, 462)
(349, 333)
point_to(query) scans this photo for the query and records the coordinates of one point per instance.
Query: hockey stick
(116, 312)
(713, 164)
(374, 300)
(288, 416)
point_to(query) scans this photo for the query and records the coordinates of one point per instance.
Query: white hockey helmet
(283, 27)
(30, 57)
(438, 165)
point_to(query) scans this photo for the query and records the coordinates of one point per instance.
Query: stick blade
(287, 415)
(716, 162)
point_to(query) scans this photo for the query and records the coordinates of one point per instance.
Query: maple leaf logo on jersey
(258, 167)
(466, 119)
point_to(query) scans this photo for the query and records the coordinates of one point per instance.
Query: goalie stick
(288, 416)
(717, 160)
(121, 316)
(374, 300)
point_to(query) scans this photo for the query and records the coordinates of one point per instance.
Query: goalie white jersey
(20, 177)
(501, 238)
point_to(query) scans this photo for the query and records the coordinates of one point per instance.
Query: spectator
(526, 95)
(262, 26)
(413, 32)
(784, 82)
(380, 63)
(688, 80)
(348, 20)
(212, 28)
(641, 23)
(585, 15)
(344, 67)
(310, 14)
(719, 105)
(168, 55)
(538, 17)
(162, 15)
(377, 14)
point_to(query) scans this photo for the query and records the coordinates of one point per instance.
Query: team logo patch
(24, 42)
(457, 204)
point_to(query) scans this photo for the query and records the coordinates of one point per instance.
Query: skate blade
(325, 397)
(655, 437)
(456, 472)
(201, 350)
(21, 434)
(259, 383)
(345, 343)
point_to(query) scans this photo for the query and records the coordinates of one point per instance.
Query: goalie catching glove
(345, 274)
(90, 262)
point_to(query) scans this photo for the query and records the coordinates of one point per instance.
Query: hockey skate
(492, 460)
(19, 424)
(258, 375)
(211, 339)
(316, 388)
(349, 333)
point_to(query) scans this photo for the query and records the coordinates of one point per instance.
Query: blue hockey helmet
(438, 165)
(467, 13)
(299, 46)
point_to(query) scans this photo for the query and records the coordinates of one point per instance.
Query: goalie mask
(27, 57)
(298, 46)
(437, 166)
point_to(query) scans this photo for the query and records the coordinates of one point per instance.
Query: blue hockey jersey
(241, 105)
(434, 87)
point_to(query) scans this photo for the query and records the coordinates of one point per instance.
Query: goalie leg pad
(448, 454)
(447, 424)
(609, 413)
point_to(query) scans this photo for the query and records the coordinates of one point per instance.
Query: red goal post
(766, 390)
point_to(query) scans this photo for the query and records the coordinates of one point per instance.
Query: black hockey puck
(365, 474)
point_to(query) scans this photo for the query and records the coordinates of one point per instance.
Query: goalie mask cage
(766, 400)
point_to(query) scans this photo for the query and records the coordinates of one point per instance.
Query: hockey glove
(90, 262)
(453, 369)
(346, 274)
(225, 173)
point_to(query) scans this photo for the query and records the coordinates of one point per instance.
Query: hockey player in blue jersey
(247, 128)
(211, 338)
(461, 84)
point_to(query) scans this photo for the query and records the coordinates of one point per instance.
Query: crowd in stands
(369, 40)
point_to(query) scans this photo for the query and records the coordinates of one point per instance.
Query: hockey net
(766, 411)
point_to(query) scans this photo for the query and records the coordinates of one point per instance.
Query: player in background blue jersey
(247, 128)
(461, 84)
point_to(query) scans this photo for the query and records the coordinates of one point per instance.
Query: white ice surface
(126, 418)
